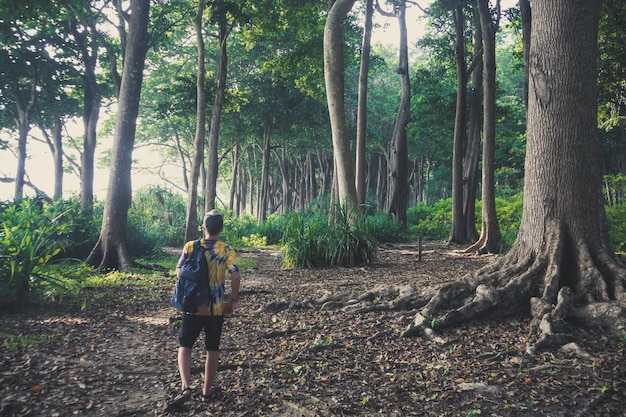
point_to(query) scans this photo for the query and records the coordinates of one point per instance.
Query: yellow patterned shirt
(220, 258)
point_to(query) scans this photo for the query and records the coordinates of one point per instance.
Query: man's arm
(235, 283)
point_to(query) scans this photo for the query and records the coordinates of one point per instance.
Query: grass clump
(310, 242)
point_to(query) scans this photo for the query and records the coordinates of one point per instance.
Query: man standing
(210, 318)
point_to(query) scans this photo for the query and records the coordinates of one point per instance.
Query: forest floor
(285, 355)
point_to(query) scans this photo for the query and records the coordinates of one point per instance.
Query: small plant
(13, 342)
(473, 413)
(322, 341)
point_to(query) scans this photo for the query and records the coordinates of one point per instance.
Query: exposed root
(568, 280)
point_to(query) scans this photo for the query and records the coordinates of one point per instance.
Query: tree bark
(111, 251)
(561, 263)
(526, 14)
(399, 167)
(191, 218)
(490, 237)
(361, 128)
(471, 172)
(91, 113)
(457, 225)
(334, 80)
(216, 116)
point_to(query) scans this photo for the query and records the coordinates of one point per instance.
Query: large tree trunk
(334, 80)
(216, 116)
(191, 219)
(561, 262)
(111, 251)
(399, 160)
(457, 225)
(490, 237)
(361, 128)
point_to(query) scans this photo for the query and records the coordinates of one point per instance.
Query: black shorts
(194, 324)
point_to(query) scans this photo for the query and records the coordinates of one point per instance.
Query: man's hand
(229, 308)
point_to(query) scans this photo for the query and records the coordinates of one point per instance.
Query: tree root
(563, 282)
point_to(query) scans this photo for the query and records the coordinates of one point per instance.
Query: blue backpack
(192, 287)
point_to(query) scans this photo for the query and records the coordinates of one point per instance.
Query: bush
(431, 222)
(29, 242)
(159, 214)
(309, 241)
(616, 216)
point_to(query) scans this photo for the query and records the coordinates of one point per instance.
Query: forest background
(275, 152)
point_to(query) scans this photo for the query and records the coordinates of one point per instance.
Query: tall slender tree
(399, 159)
(111, 250)
(191, 223)
(334, 80)
(361, 128)
(490, 236)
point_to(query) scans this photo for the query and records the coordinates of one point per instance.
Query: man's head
(213, 222)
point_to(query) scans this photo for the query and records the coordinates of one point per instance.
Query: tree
(361, 128)
(561, 263)
(490, 237)
(110, 250)
(398, 161)
(28, 38)
(457, 225)
(334, 80)
(191, 219)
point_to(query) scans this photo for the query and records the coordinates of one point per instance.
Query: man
(210, 318)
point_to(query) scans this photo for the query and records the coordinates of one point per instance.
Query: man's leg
(184, 366)
(210, 369)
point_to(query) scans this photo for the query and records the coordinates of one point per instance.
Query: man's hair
(213, 222)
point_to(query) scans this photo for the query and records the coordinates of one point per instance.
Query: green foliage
(309, 241)
(300, 241)
(509, 218)
(29, 242)
(383, 228)
(617, 226)
(156, 219)
(431, 222)
(273, 229)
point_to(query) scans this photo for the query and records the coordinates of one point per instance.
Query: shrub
(309, 241)
(29, 241)
(431, 222)
(157, 213)
(616, 216)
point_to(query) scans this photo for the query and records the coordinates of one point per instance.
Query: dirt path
(116, 356)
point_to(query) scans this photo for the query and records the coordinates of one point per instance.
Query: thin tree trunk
(457, 225)
(57, 154)
(216, 116)
(334, 80)
(526, 14)
(234, 172)
(471, 173)
(361, 129)
(191, 219)
(490, 237)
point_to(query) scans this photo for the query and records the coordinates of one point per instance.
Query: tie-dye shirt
(220, 258)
